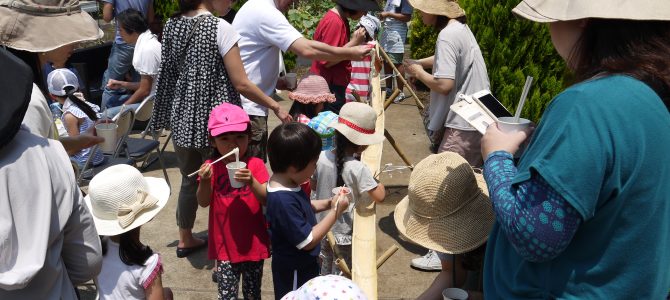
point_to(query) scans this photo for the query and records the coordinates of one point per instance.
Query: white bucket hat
(357, 122)
(564, 10)
(121, 199)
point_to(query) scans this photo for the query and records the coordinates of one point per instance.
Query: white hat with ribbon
(121, 199)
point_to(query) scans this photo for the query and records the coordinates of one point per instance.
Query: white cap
(59, 79)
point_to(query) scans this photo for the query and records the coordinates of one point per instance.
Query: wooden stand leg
(390, 99)
(390, 251)
(397, 149)
(341, 263)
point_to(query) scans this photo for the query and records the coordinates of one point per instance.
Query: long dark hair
(636, 48)
(298, 108)
(131, 251)
(87, 109)
(341, 146)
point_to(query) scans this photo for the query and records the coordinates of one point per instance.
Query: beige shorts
(465, 143)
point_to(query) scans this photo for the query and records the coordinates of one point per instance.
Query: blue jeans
(119, 64)
(113, 111)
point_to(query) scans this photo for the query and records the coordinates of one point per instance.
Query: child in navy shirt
(293, 150)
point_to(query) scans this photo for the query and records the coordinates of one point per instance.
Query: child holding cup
(340, 169)
(293, 150)
(238, 239)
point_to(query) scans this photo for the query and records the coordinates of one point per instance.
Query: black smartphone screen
(494, 106)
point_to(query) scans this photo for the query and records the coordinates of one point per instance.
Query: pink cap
(227, 118)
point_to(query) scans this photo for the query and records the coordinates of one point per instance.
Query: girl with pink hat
(309, 98)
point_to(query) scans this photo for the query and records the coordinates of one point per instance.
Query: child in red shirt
(238, 237)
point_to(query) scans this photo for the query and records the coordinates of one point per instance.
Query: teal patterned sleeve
(538, 221)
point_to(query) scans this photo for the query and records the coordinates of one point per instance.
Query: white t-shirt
(120, 281)
(264, 31)
(147, 57)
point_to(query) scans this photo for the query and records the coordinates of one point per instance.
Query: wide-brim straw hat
(312, 89)
(447, 208)
(43, 25)
(357, 122)
(449, 8)
(564, 10)
(121, 199)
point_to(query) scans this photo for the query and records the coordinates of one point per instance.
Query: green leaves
(513, 48)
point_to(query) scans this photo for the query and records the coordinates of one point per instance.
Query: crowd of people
(583, 212)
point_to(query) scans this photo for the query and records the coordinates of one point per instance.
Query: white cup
(507, 124)
(291, 80)
(454, 294)
(108, 132)
(232, 168)
(346, 190)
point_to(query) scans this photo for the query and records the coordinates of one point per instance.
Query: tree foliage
(513, 48)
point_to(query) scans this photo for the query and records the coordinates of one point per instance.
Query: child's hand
(244, 176)
(358, 37)
(205, 171)
(340, 203)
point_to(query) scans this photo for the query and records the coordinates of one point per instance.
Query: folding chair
(139, 149)
(124, 121)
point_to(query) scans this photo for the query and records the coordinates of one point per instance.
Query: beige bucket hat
(357, 122)
(564, 10)
(43, 25)
(447, 207)
(449, 8)
(121, 199)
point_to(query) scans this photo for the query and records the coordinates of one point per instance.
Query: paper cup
(336, 190)
(291, 80)
(108, 132)
(232, 168)
(454, 294)
(507, 124)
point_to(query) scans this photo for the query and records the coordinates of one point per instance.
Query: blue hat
(320, 124)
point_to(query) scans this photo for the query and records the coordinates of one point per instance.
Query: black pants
(285, 269)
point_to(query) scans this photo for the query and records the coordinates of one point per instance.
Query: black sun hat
(16, 86)
(360, 5)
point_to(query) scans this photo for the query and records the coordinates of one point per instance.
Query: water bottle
(56, 110)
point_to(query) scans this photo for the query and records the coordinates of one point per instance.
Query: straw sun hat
(449, 8)
(357, 123)
(312, 89)
(447, 208)
(43, 25)
(121, 199)
(565, 10)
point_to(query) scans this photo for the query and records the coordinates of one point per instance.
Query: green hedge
(512, 48)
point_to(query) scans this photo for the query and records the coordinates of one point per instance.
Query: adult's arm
(440, 85)
(241, 82)
(82, 253)
(143, 90)
(321, 51)
(536, 219)
(108, 12)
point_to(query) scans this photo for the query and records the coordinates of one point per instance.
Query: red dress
(333, 31)
(237, 227)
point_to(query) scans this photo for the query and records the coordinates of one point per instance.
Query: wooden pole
(390, 251)
(390, 99)
(409, 87)
(397, 149)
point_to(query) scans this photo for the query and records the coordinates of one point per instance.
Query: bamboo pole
(397, 149)
(339, 261)
(390, 99)
(364, 243)
(390, 251)
(409, 87)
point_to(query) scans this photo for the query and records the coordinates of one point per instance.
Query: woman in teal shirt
(586, 212)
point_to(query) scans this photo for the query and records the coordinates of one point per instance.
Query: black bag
(16, 86)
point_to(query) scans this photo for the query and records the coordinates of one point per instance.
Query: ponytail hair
(341, 146)
(131, 251)
(87, 109)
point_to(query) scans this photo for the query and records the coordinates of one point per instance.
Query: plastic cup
(507, 124)
(232, 168)
(336, 190)
(108, 132)
(454, 294)
(291, 80)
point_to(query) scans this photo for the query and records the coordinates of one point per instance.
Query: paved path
(190, 278)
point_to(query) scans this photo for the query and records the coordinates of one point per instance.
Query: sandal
(184, 252)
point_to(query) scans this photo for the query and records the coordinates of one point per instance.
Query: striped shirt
(394, 34)
(360, 80)
(81, 156)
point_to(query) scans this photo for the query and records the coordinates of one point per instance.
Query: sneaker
(400, 98)
(428, 262)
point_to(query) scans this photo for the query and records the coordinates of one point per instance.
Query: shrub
(304, 17)
(512, 48)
